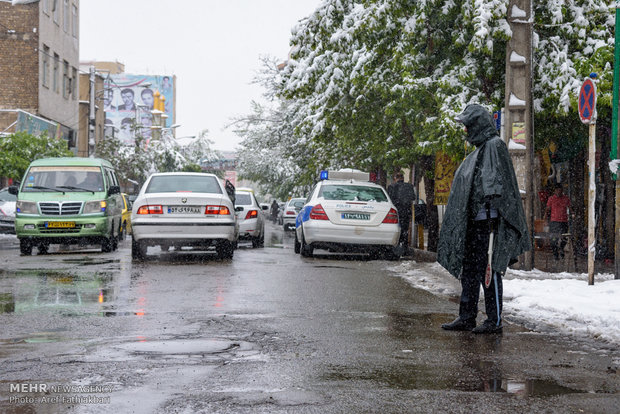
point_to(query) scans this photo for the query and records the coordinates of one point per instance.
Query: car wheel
(106, 245)
(225, 250)
(261, 241)
(43, 248)
(297, 245)
(390, 254)
(123, 233)
(255, 242)
(25, 247)
(306, 249)
(138, 250)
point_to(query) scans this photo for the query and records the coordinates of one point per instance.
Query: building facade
(39, 64)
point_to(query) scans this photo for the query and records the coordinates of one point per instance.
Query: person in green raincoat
(484, 199)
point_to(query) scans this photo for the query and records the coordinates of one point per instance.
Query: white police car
(347, 213)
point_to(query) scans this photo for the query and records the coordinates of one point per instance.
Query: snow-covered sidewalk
(562, 302)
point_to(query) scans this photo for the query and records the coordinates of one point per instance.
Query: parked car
(291, 209)
(68, 201)
(126, 217)
(180, 209)
(251, 220)
(347, 213)
(7, 211)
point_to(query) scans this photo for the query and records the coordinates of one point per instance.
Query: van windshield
(63, 178)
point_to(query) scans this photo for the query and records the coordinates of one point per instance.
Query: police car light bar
(345, 174)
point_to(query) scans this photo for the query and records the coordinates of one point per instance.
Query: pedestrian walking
(275, 208)
(558, 208)
(403, 196)
(484, 224)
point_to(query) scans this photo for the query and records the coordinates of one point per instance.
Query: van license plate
(355, 216)
(60, 224)
(183, 210)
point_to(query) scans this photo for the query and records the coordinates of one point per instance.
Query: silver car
(184, 209)
(7, 211)
(251, 220)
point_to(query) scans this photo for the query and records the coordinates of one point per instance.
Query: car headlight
(95, 207)
(26, 207)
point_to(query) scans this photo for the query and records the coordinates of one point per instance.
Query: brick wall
(19, 57)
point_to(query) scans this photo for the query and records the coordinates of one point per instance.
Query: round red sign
(587, 101)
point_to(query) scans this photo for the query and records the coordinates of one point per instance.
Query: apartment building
(39, 67)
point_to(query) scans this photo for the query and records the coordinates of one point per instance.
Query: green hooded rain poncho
(490, 167)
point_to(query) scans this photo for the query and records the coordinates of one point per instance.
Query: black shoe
(459, 325)
(488, 326)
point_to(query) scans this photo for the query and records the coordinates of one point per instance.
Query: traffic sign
(587, 102)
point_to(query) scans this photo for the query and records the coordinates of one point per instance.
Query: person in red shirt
(558, 208)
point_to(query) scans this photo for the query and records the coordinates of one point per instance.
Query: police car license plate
(183, 210)
(355, 216)
(60, 224)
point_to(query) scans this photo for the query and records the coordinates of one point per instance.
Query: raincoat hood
(479, 123)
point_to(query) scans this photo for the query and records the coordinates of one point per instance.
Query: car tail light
(392, 217)
(217, 210)
(317, 213)
(291, 213)
(148, 209)
(251, 214)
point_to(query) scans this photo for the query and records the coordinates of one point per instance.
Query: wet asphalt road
(266, 332)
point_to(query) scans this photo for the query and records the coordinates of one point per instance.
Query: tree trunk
(432, 215)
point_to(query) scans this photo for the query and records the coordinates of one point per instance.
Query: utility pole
(518, 99)
(615, 149)
(91, 114)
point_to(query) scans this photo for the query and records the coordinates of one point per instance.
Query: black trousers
(557, 228)
(404, 229)
(474, 268)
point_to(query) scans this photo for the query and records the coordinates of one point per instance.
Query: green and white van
(68, 201)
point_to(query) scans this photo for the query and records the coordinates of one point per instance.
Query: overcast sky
(212, 46)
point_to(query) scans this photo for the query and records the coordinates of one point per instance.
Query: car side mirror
(115, 189)
(13, 190)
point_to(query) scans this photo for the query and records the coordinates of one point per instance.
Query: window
(65, 16)
(74, 82)
(66, 82)
(55, 10)
(55, 74)
(45, 73)
(183, 183)
(74, 24)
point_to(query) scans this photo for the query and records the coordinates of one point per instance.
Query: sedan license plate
(355, 216)
(60, 224)
(183, 210)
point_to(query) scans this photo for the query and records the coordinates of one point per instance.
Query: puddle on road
(36, 338)
(423, 377)
(91, 261)
(62, 291)
(213, 349)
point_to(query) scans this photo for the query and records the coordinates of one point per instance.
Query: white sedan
(348, 215)
(251, 219)
(184, 209)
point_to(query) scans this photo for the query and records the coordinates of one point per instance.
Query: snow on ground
(562, 302)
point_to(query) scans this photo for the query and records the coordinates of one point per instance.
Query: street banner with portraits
(128, 104)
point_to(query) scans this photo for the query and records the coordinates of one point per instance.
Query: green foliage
(377, 83)
(18, 150)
